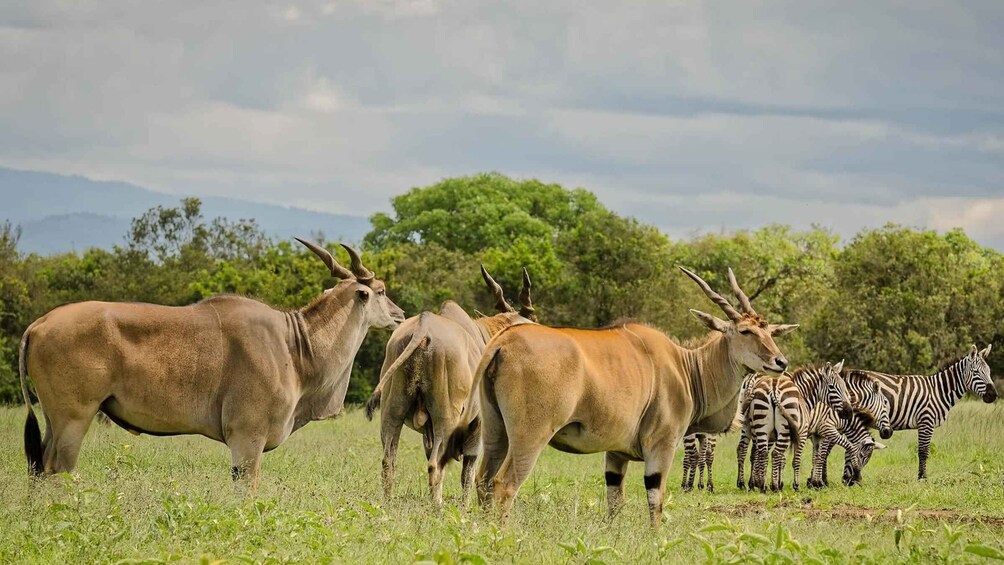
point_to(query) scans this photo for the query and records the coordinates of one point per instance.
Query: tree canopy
(893, 299)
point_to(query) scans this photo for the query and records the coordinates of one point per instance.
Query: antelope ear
(839, 366)
(986, 352)
(712, 322)
(781, 329)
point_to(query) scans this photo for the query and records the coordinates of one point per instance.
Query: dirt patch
(850, 512)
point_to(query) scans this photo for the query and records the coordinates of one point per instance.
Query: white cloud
(686, 114)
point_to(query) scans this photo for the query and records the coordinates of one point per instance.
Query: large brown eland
(229, 368)
(427, 376)
(628, 390)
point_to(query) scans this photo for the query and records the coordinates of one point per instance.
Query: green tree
(483, 211)
(15, 307)
(786, 273)
(906, 300)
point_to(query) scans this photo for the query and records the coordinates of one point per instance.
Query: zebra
(698, 455)
(871, 410)
(772, 412)
(699, 448)
(856, 430)
(789, 409)
(922, 402)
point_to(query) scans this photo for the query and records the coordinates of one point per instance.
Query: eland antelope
(229, 368)
(427, 375)
(627, 390)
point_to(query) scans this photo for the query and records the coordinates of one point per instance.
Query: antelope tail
(419, 339)
(33, 449)
(484, 376)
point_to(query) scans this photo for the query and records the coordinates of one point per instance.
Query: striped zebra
(773, 413)
(699, 448)
(856, 428)
(922, 402)
(790, 409)
(698, 455)
(871, 410)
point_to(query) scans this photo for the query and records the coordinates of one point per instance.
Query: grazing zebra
(698, 455)
(856, 430)
(821, 396)
(871, 410)
(921, 402)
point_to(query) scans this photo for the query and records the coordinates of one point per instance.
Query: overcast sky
(691, 116)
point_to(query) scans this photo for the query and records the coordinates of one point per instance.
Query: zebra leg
(924, 433)
(758, 480)
(826, 449)
(689, 457)
(741, 448)
(709, 458)
(777, 461)
(796, 460)
(848, 468)
(701, 446)
(814, 475)
(850, 448)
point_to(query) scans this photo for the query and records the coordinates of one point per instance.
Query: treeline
(894, 299)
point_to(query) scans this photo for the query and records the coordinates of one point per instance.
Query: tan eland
(627, 390)
(230, 368)
(427, 376)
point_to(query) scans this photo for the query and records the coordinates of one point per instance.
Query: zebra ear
(839, 366)
(973, 351)
(986, 352)
(880, 445)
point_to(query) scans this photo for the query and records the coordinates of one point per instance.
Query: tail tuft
(33, 444)
(373, 404)
(33, 448)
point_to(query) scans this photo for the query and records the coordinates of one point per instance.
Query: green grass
(147, 499)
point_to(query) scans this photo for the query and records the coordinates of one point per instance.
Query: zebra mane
(809, 379)
(949, 364)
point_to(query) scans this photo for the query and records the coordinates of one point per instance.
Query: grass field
(146, 499)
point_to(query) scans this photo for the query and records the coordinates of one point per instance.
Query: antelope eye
(745, 332)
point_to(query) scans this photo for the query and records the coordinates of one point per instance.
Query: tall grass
(146, 499)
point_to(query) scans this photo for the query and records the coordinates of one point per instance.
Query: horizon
(842, 239)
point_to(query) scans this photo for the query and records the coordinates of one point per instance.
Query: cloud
(689, 115)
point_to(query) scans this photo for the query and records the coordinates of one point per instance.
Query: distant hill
(60, 213)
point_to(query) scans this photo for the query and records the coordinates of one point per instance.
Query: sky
(691, 116)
